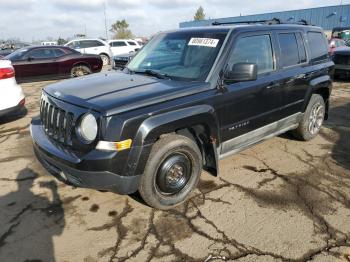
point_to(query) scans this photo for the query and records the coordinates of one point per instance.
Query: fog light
(114, 146)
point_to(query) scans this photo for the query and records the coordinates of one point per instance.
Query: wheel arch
(322, 86)
(81, 63)
(199, 123)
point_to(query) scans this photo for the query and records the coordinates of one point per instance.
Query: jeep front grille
(58, 123)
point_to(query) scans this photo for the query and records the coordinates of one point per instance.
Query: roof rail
(273, 21)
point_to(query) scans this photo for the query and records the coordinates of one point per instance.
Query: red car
(335, 43)
(52, 62)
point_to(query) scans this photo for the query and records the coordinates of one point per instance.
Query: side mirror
(29, 58)
(242, 72)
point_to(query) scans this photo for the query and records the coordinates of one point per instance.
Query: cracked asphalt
(282, 200)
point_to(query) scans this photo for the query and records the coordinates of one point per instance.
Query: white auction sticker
(208, 42)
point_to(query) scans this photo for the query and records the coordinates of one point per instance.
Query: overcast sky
(37, 19)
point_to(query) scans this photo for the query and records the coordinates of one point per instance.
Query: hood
(344, 50)
(116, 92)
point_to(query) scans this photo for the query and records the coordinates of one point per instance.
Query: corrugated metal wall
(326, 17)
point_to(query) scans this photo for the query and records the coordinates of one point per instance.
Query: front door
(248, 106)
(39, 63)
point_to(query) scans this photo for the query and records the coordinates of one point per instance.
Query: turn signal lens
(114, 146)
(126, 144)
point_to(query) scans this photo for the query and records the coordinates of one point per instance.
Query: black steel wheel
(171, 173)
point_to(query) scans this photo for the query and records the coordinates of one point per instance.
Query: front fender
(155, 126)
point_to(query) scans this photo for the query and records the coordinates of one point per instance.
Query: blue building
(326, 17)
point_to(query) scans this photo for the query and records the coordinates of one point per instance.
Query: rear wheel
(80, 70)
(171, 173)
(312, 121)
(105, 59)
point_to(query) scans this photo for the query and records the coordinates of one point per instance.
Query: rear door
(92, 47)
(119, 47)
(247, 106)
(293, 67)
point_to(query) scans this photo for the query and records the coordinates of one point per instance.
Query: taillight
(6, 73)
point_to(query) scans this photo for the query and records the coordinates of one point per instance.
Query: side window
(118, 43)
(59, 52)
(254, 49)
(90, 43)
(74, 44)
(289, 49)
(318, 46)
(41, 53)
(131, 43)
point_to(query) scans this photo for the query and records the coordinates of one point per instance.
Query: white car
(12, 97)
(123, 46)
(93, 46)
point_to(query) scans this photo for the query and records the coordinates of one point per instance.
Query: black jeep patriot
(189, 98)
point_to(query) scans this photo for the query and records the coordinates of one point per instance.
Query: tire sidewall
(161, 151)
(304, 126)
(85, 68)
(107, 57)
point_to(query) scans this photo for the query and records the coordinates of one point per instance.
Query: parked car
(93, 46)
(52, 62)
(120, 47)
(12, 97)
(341, 58)
(120, 61)
(10, 48)
(335, 43)
(153, 126)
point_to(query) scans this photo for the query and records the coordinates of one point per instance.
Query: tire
(80, 70)
(311, 123)
(172, 172)
(105, 59)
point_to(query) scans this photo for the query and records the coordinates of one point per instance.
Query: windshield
(16, 55)
(187, 55)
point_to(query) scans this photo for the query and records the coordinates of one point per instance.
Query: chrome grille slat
(58, 123)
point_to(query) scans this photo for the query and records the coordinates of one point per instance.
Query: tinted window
(90, 43)
(131, 43)
(75, 44)
(302, 50)
(17, 55)
(118, 43)
(254, 49)
(318, 46)
(41, 53)
(289, 49)
(59, 52)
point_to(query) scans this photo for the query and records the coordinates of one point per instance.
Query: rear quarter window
(318, 46)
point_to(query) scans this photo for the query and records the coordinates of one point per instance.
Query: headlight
(88, 128)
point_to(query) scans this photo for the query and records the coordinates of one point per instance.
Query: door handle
(273, 84)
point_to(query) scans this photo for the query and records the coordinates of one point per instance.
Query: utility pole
(104, 11)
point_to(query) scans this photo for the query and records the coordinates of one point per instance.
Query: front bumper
(11, 110)
(65, 165)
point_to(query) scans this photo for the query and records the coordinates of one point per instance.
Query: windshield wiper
(152, 73)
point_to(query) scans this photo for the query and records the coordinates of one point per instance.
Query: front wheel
(171, 173)
(312, 121)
